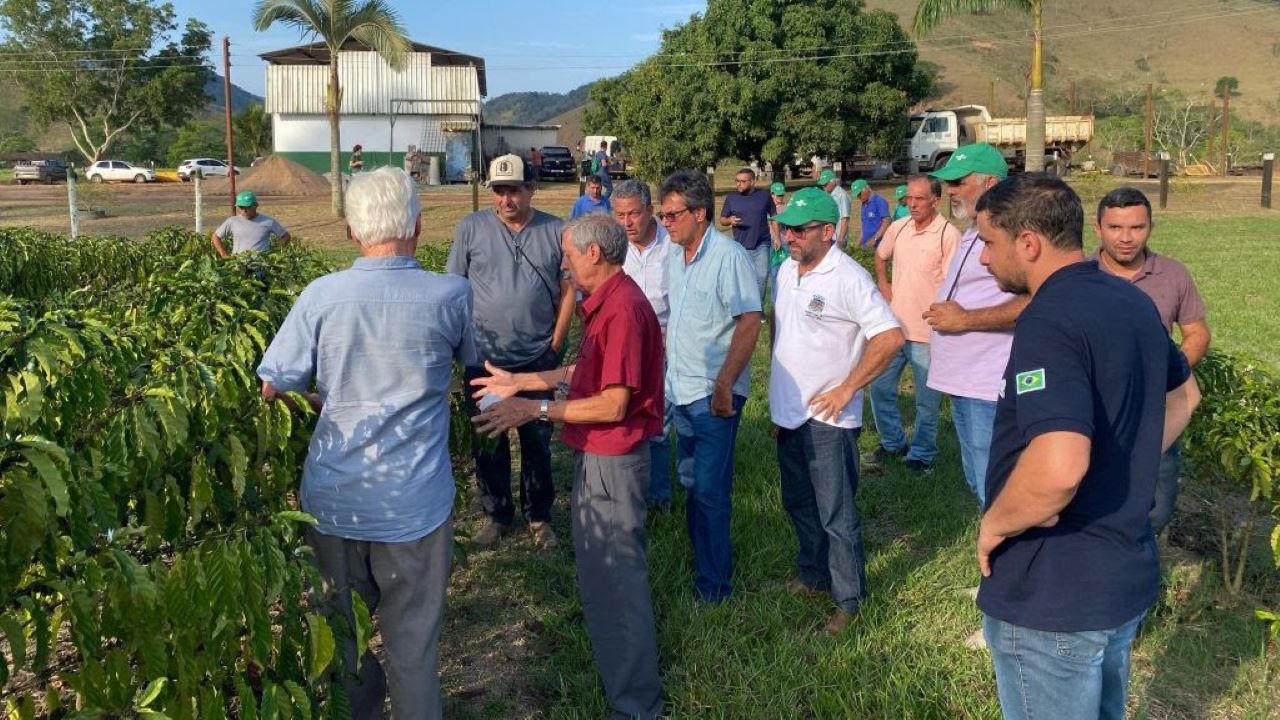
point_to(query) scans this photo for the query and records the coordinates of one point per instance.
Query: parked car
(39, 171)
(557, 163)
(119, 171)
(209, 167)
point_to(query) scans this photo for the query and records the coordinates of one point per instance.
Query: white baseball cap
(509, 170)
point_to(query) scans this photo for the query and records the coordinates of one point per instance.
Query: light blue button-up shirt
(378, 343)
(706, 296)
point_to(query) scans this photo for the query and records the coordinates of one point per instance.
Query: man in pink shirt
(919, 248)
(971, 318)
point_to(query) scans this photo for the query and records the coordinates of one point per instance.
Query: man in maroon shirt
(613, 407)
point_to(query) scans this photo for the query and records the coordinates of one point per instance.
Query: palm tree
(372, 23)
(931, 12)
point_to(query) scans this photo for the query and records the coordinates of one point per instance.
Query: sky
(546, 45)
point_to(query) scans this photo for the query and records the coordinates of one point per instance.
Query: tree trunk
(1035, 98)
(334, 103)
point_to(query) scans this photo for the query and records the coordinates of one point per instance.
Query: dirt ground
(134, 210)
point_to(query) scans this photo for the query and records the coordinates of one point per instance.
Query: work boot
(798, 587)
(543, 535)
(489, 533)
(874, 461)
(837, 623)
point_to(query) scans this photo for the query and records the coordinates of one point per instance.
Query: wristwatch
(542, 409)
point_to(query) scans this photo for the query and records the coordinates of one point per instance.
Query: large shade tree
(105, 69)
(372, 23)
(932, 12)
(765, 80)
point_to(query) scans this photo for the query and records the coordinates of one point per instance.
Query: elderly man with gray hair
(373, 347)
(613, 406)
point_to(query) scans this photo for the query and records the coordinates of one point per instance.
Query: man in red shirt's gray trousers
(613, 406)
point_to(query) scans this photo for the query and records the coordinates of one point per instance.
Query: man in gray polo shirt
(248, 229)
(374, 347)
(523, 307)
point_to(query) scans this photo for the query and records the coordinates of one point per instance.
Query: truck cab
(934, 135)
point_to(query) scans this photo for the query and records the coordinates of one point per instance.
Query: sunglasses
(671, 216)
(800, 229)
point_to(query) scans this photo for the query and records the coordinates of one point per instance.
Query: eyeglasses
(666, 217)
(800, 229)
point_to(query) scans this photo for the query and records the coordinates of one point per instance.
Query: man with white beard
(971, 318)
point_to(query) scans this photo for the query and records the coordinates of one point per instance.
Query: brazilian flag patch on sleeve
(1030, 381)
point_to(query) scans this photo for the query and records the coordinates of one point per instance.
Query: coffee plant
(151, 561)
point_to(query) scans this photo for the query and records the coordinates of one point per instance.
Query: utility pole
(1213, 121)
(1147, 127)
(226, 100)
(1226, 121)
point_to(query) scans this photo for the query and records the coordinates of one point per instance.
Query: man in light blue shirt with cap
(714, 322)
(373, 347)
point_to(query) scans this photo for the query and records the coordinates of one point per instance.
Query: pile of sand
(275, 176)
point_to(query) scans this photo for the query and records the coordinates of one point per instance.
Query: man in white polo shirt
(827, 306)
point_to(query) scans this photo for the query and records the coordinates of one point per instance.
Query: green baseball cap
(976, 158)
(807, 205)
(899, 192)
(857, 187)
(777, 189)
(246, 199)
(825, 177)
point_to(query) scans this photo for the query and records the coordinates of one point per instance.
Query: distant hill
(1108, 46)
(240, 98)
(532, 108)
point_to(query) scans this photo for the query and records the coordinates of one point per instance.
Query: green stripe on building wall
(319, 161)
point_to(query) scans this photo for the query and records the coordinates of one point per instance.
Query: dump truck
(934, 135)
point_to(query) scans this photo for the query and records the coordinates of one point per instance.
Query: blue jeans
(1060, 675)
(974, 418)
(818, 464)
(660, 464)
(884, 405)
(1166, 488)
(704, 464)
(760, 262)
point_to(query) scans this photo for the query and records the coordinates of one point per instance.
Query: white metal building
(434, 104)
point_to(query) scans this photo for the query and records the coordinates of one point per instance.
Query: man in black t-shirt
(1091, 397)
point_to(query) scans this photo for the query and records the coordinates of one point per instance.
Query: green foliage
(198, 138)
(717, 88)
(15, 143)
(253, 132)
(151, 561)
(1234, 440)
(533, 107)
(1227, 83)
(112, 64)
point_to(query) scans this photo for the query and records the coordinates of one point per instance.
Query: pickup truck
(39, 171)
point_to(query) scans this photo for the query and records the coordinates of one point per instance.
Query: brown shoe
(837, 623)
(489, 533)
(796, 586)
(543, 535)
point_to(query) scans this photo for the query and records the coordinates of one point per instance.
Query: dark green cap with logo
(246, 199)
(807, 205)
(976, 158)
(777, 189)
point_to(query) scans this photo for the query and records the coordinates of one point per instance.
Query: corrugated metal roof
(318, 54)
(369, 86)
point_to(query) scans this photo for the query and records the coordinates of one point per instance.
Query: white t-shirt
(823, 321)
